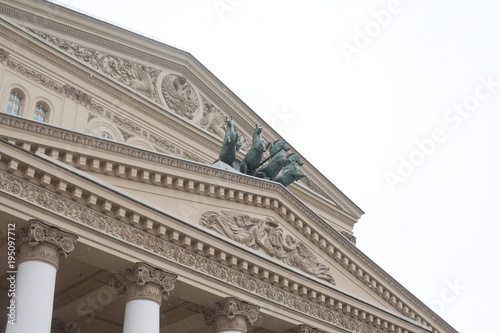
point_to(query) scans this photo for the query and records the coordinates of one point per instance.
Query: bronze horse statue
(278, 159)
(230, 145)
(291, 171)
(252, 159)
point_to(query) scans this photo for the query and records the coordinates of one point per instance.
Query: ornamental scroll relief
(138, 77)
(265, 233)
(176, 92)
(95, 220)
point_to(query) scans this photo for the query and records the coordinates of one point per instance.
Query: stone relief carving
(349, 236)
(303, 328)
(144, 282)
(85, 100)
(180, 95)
(47, 200)
(41, 242)
(231, 315)
(28, 72)
(77, 95)
(139, 77)
(214, 121)
(265, 233)
(99, 222)
(126, 135)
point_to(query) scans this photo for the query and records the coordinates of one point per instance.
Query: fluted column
(143, 288)
(40, 247)
(231, 316)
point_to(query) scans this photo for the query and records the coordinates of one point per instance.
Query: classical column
(143, 288)
(40, 247)
(231, 316)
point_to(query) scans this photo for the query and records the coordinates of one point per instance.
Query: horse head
(294, 157)
(229, 121)
(258, 130)
(279, 145)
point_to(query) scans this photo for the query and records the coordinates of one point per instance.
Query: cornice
(191, 253)
(381, 275)
(375, 279)
(98, 81)
(137, 54)
(192, 69)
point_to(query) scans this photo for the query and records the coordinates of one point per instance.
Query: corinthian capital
(231, 314)
(41, 242)
(144, 282)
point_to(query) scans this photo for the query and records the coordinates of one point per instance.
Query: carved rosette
(180, 96)
(41, 242)
(231, 314)
(144, 282)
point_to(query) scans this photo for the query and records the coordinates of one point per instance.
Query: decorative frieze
(40, 242)
(231, 315)
(138, 77)
(303, 328)
(265, 233)
(144, 282)
(283, 294)
(28, 72)
(376, 274)
(85, 100)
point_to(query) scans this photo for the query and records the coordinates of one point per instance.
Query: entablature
(82, 199)
(51, 28)
(334, 245)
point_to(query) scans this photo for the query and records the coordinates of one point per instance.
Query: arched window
(105, 135)
(15, 103)
(41, 113)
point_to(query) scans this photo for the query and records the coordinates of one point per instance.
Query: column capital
(144, 282)
(231, 314)
(303, 328)
(41, 242)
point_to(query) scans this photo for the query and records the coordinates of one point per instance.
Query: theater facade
(115, 218)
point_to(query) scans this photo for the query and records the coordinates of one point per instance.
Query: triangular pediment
(151, 185)
(259, 223)
(187, 97)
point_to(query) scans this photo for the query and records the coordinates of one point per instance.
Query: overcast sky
(396, 102)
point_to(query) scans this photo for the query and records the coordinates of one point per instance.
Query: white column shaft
(142, 316)
(34, 299)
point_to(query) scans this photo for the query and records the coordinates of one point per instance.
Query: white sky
(357, 120)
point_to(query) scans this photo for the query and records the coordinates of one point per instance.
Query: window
(41, 113)
(15, 103)
(105, 135)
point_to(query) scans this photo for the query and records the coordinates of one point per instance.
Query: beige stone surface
(150, 193)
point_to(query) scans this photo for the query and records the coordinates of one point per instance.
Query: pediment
(361, 290)
(173, 86)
